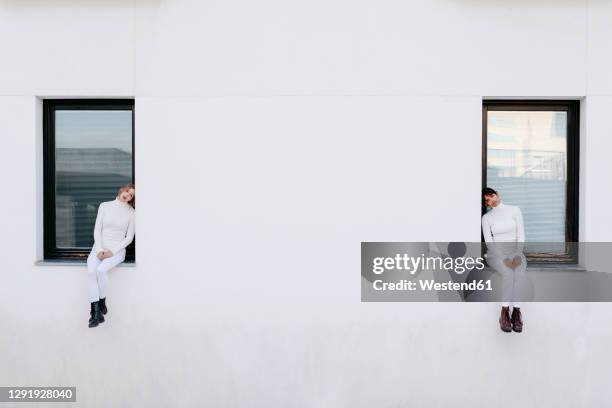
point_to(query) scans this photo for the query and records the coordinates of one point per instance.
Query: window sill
(552, 268)
(62, 262)
(559, 267)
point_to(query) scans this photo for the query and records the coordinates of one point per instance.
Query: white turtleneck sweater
(503, 223)
(114, 228)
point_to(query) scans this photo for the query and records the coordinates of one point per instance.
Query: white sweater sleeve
(488, 237)
(520, 229)
(98, 244)
(129, 236)
(486, 230)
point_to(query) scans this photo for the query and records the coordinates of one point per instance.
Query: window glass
(93, 158)
(527, 164)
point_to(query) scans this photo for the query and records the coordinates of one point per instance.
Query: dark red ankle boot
(504, 319)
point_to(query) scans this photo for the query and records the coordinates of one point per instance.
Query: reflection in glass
(527, 164)
(93, 158)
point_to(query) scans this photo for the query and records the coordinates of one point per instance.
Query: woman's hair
(487, 191)
(128, 186)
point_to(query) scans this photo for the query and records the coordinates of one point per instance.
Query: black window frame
(572, 107)
(50, 106)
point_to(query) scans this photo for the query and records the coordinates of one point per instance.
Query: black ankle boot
(103, 308)
(96, 317)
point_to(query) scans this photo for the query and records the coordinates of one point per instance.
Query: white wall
(271, 139)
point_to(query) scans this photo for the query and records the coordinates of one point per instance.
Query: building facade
(270, 139)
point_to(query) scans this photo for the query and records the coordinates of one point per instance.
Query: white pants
(97, 273)
(513, 281)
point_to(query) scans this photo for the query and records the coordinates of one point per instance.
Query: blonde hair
(126, 187)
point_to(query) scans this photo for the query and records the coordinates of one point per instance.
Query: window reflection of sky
(94, 129)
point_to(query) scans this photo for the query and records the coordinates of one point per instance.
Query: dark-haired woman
(113, 232)
(504, 233)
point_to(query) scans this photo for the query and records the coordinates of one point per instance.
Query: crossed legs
(97, 271)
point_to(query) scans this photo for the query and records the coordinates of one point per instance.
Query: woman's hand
(514, 262)
(105, 253)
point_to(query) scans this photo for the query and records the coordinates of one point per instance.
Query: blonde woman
(113, 232)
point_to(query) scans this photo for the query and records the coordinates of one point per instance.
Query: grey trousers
(512, 281)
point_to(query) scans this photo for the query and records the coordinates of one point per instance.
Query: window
(530, 156)
(88, 154)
